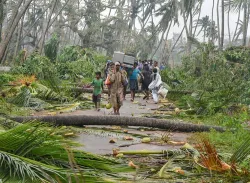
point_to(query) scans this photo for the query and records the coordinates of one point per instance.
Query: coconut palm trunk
(1, 17)
(228, 22)
(80, 120)
(245, 24)
(211, 36)
(218, 21)
(90, 90)
(222, 23)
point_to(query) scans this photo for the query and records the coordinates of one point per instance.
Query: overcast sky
(207, 10)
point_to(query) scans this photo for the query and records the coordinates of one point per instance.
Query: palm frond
(18, 167)
(39, 142)
(242, 152)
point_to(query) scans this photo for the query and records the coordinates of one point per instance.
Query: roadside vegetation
(217, 94)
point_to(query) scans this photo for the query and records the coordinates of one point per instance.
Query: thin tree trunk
(228, 22)
(218, 22)
(245, 24)
(204, 35)
(80, 120)
(211, 36)
(13, 17)
(237, 25)
(178, 39)
(187, 34)
(167, 30)
(6, 53)
(1, 17)
(4, 43)
(186, 27)
(19, 37)
(198, 19)
(222, 24)
(47, 27)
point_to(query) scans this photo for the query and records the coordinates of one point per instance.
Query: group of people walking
(119, 78)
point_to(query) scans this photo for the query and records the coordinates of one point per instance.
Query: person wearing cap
(116, 90)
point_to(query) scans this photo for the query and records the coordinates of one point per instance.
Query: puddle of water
(100, 145)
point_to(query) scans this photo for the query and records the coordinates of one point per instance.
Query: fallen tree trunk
(90, 90)
(80, 120)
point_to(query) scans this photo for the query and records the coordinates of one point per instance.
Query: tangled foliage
(217, 83)
(6, 78)
(75, 62)
(51, 48)
(238, 54)
(70, 53)
(37, 65)
(72, 63)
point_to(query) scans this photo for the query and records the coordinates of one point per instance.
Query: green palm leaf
(242, 152)
(20, 168)
(37, 144)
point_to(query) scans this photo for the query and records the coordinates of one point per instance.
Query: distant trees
(138, 26)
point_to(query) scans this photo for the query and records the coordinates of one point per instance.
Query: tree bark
(80, 120)
(47, 27)
(19, 34)
(222, 24)
(228, 22)
(218, 21)
(90, 90)
(211, 36)
(1, 17)
(237, 25)
(245, 25)
(198, 19)
(12, 26)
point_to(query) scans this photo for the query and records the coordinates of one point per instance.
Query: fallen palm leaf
(161, 172)
(145, 152)
(69, 134)
(176, 143)
(71, 108)
(209, 157)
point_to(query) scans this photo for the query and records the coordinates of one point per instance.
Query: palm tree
(211, 35)
(169, 14)
(187, 8)
(212, 29)
(204, 23)
(238, 5)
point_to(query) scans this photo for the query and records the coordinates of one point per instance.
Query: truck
(126, 59)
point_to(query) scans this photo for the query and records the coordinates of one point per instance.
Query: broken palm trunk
(80, 120)
(90, 90)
